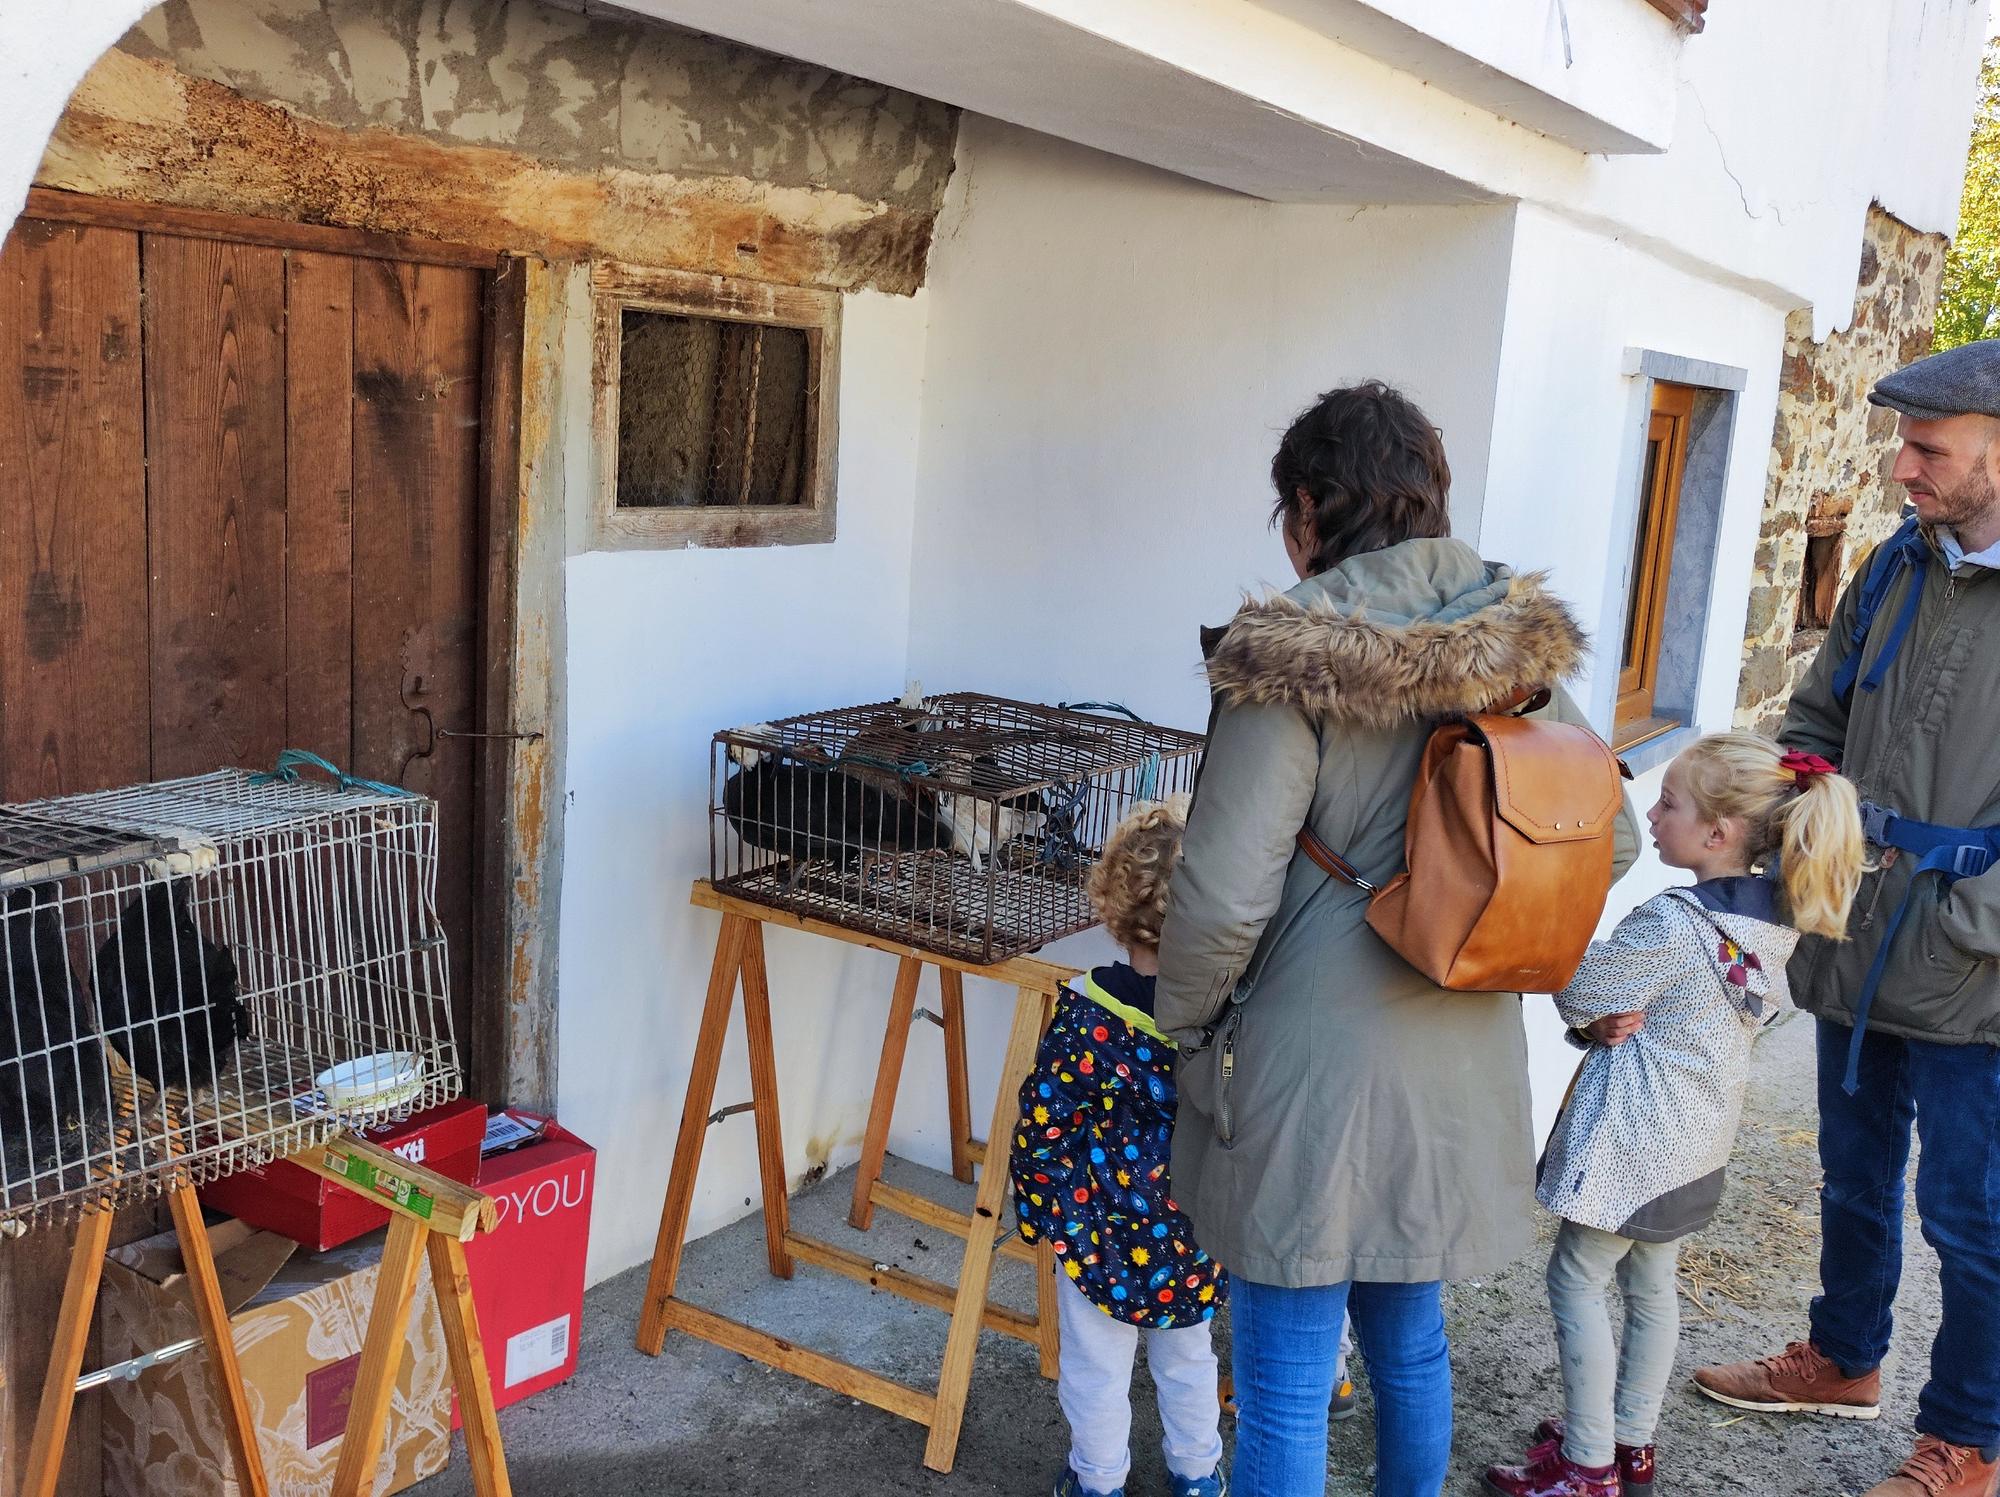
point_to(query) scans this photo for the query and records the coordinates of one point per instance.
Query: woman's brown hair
(1367, 468)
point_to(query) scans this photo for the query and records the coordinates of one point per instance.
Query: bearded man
(1905, 696)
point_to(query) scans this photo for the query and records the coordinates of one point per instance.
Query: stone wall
(1829, 499)
(515, 125)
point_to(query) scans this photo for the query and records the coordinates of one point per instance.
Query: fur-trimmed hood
(1421, 630)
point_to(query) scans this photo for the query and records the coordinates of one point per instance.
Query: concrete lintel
(1677, 369)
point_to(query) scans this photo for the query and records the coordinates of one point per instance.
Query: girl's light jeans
(1612, 1394)
(1095, 1387)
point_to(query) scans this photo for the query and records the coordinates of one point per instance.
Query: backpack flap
(1552, 782)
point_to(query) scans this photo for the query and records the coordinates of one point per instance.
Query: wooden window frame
(616, 288)
(1635, 718)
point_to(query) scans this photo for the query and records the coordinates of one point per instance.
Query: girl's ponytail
(1796, 807)
(1821, 853)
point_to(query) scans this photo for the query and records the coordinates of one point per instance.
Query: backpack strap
(1314, 846)
(1528, 699)
(1906, 550)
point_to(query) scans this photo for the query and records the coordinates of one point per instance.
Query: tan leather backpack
(1509, 852)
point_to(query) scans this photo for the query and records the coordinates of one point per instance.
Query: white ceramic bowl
(372, 1081)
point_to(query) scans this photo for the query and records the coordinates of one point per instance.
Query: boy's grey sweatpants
(1612, 1395)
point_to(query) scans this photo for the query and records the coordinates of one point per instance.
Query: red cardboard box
(312, 1210)
(527, 1273)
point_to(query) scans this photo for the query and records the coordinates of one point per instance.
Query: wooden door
(239, 512)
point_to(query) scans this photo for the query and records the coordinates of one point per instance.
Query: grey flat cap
(1958, 382)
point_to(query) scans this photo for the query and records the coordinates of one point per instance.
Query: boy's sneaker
(1345, 1404)
(1546, 1472)
(1801, 1379)
(1215, 1484)
(1938, 1469)
(1069, 1484)
(1635, 1462)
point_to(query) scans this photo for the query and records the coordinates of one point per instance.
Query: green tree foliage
(1969, 305)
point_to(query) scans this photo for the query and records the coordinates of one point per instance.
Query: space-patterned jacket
(1090, 1157)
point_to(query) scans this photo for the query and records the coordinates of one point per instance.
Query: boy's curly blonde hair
(1128, 887)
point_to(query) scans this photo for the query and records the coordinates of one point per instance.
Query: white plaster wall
(1569, 432)
(665, 647)
(1113, 354)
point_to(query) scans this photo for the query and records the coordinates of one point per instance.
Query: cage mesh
(187, 964)
(965, 825)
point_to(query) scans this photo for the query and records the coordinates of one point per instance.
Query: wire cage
(965, 825)
(206, 974)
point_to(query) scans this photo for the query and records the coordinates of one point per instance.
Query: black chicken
(803, 811)
(167, 993)
(54, 1097)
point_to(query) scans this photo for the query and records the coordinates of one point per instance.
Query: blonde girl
(1667, 1008)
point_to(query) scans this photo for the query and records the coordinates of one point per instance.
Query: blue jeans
(1286, 1342)
(1952, 1093)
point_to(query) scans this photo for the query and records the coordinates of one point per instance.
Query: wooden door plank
(215, 438)
(319, 480)
(417, 576)
(73, 680)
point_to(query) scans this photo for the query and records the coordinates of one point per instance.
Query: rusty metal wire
(185, 962)
(965, 825)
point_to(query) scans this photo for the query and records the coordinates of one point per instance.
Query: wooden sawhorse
(428, 1215)
(739, 952)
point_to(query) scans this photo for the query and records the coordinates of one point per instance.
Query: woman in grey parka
(1350, 1135)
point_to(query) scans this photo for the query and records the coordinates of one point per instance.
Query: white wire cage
(206, 974)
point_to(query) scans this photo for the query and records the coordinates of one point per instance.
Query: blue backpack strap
(1950, 852)
(1906, 550)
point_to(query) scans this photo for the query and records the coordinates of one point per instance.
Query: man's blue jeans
(1285, 1343)
(1952, 1092)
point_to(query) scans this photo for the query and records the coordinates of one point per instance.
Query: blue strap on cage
(1118, 707)
(286, 772)
(1951, 852)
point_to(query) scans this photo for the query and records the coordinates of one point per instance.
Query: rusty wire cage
(206, 974)
(964, 824)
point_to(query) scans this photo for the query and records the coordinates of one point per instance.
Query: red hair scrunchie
(1806, 766)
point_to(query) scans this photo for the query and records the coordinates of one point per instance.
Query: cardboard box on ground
(299, 1321)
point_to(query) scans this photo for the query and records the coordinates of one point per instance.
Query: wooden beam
(962, 1342)
(381, 1354)
(468, 1366)
(1689, 15)
(1018, 971)
(815, 1367)
(86, 1270)
(405, 1190)
(730, 946)
(888, 1081)
(931, 1213)
(910, 1286)
(277, 233)
(205, 1289)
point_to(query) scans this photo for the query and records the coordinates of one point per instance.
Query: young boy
(1090, 1177)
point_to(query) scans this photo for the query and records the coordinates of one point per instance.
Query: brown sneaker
(1799, 1380)
(1940, 1470)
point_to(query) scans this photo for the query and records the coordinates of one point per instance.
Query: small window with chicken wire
(714, 410)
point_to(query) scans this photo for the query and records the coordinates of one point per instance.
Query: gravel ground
(702, 1422)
